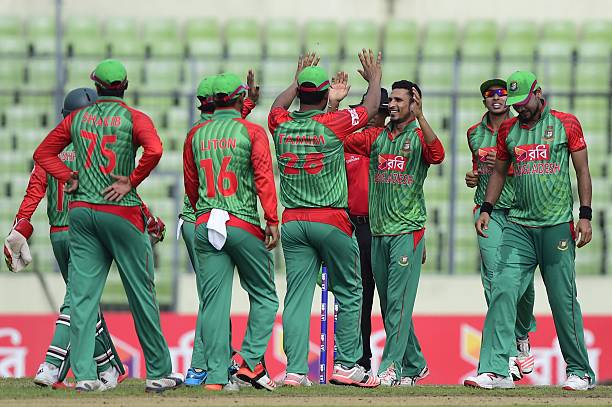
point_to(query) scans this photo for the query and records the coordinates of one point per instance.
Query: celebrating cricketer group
(351, 183)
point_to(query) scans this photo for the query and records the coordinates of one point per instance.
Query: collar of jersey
(545, 112)
(226, 113)
(304, 115)
(409, 127)
(109, 99)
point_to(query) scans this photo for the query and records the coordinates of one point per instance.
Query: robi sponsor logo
(484, 152)
(532, 152)
(391, 162)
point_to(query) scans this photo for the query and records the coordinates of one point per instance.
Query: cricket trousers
(364, 240)
(396, 263)
(96, 239)
(58, 353)
(305, 246)
(489, 254)
(255, 267)
(522, 249)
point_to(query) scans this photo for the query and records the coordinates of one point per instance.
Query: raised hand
(370, 64)
(339, 88)
(118, 189)
(253, 92)
(417, 104)
(310, 59)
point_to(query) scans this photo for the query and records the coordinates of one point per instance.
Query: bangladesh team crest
(563, 245)
(513, 86)
(406, 148)
(549, 134)
(403, 261)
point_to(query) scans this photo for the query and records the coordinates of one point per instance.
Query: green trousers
(96, 239)
(256, 272)
(197, 355)
(59, 349)
(523, 248)
(396, 265)
(525, 321)
(306, 245)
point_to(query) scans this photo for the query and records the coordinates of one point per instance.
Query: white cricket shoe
(525, 360)
(514, 369)
(170, 382)
(410, 381)
(46, 375)
(577, 383)
(296, 380)
(354, 376)
(89, 385)
(389, 377)
(489, 381)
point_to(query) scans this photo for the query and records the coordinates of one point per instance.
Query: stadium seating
(167, 58)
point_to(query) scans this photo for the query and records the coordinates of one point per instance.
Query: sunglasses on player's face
(492, 92)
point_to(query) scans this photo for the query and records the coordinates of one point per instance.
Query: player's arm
(143, 135)
(372, 72)
(35, 192)
(433, 150)
(285, 99)
(46, 154)
(252, 97)
(190, 170)
(580, 158)
(261, 161)
(496, 180)
(471, 177)
(361, 142)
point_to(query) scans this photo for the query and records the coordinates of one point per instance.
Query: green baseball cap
(110, 74)
(205, 88)
(228, 84)
(520, 85)
(315, 75)
(490, 83)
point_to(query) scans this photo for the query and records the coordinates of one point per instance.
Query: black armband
(585, 213)
(486, 207)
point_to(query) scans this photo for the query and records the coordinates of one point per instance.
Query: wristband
(585, 213)
(486, 207)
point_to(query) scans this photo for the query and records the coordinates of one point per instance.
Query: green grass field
(21, 392)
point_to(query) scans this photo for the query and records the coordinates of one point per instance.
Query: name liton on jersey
(308, 140)
(532, 152)
(215, 144)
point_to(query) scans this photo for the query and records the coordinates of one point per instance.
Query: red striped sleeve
(432, 153)
(573, 130)
(37, 187)
(361, 142)
(277, 116)
(344, 122)
(502, 134)
(261, 160)
(145, 136)
(190, 168)
(247, 107)
(46, 153)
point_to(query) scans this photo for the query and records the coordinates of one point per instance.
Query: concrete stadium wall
(437, 295)
(340, 10)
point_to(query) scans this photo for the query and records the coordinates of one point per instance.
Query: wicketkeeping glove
(156, 229)
(16, 250)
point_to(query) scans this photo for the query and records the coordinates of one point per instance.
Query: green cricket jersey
(540, 156)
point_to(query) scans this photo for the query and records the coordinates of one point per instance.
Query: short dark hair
(110, 92)
(404, 84)
(311, 98)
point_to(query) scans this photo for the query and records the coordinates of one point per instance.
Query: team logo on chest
(391, 162)
(406, 148)
(549, 134)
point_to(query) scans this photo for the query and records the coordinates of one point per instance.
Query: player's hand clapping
(339, 88)
(371, 66)
(118, 189)
(310, 59)
(253, 92)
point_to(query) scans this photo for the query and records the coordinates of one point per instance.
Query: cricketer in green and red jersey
(227, 165)
(316, 227)
(540, 231)
(196, 374)
(400, 155)
(107, 221)
(54, 369)
(482, 140)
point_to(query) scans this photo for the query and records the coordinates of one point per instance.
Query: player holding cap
(54, 369)
(482, 139)
(107, 221)
(227, 165)
(316, 227)
(540, 231)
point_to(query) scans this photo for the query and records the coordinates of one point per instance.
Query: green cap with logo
(228, 84)
(110, 74)
(315, 75)
(205, 88)
(520, 85)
